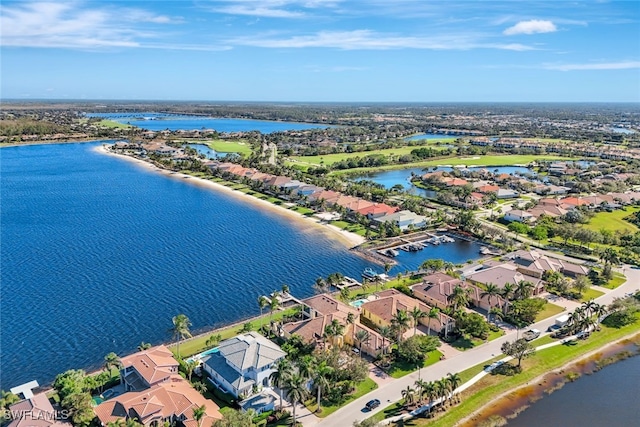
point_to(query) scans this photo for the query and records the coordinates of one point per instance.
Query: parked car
(531, 334)
(372, 404)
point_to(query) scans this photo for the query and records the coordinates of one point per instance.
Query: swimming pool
(208, 352)
(358, 303)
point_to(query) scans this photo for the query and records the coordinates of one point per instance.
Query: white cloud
(272, 8)
(70, 25)
(370, 40)
(624, 65)
(533, 26)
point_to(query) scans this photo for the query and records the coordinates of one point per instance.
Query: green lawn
(224, 146)
(549, 310)
(590, 294)
(348, 226)
(467, 342)
(362, 388)
(329, 159)
(542, 341)
(400, 368)
(485, 390)
(612, 221)
(617, 280)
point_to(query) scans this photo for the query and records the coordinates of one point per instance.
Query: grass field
(487, 161)
(612, 221)
(400, 369)
(590, 294)
(549, 310)
(112, 124)
(465, 343)
(224, 146)
(617, 280)
(329, 159)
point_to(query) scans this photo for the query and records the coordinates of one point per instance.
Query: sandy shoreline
(537, 379)
(347, 238)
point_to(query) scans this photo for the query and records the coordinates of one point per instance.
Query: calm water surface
(607, 398)
(98, 254)
(157, 122)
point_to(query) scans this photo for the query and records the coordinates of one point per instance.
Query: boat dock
(415, 245)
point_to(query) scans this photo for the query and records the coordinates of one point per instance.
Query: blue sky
(322, 50)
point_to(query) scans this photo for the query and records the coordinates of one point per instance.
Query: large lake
(158, 122)
(99, 253)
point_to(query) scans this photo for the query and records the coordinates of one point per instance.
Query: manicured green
(543, 340)
(549, 310)
(362, 388)
(224, 146)
(617, 280)
(467, 342)
(112, 124)
(613, 221)
(590, 294)
(329, 159)
(359, 229)
(401, 368)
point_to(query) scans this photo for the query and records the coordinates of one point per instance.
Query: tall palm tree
(144, 346)
(409, 396)
(508, 291)
(296, 388)
(430, 391)
(285, 289)
(180, 330)
(321, 379)
(589, 307)
(111, 360)
(199, 413)
(306, 366)
(459, 297)
(387, 334)
(524, 288)
(490, 291)
(351, 320)
(434, 313)
(262, 303)
(280, 376)
(401, 322)
(454, 381)
(599, 311)
(420, 385)
(362, 337)
(416, 315)
(274, 303)
(610, 256)
(442, 387)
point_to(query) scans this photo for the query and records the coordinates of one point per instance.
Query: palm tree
(320, 285)
(459, 297)
(111, 360)
(431, 392)
(454, 381)
(420, 384)
(434, 313)
(362, 337)
(589, 307)
(321, 379)
(189, 367)
(490, 291)
(351, 320)
(199, 413)
(508, 291)
(441, 390)
(262, 303)
(306, 366)
(401, 323)
(180, 329)
(333, 330)
(610, 256)
(523, 289)
(386, 333)
(274, 303)
(409, 396)
(599, 311)
(417, 314)
(280, 376)
(285, 289)
(144, 346)
(296, 388)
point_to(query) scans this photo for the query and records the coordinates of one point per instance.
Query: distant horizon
(324, 51)
(220, 101)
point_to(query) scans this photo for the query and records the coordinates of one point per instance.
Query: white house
(403, 219)
(519, 216)
(243, 364)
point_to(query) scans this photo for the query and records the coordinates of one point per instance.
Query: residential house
(535, 264)
(519, 216)
(403, 219)
(243, 364)
(381, 311)
(36, 411)
(172, 401)
(502, 274)
(504, 193)
(436, 288)
(147, 368)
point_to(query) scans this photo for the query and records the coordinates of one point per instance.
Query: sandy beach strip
(347, 238)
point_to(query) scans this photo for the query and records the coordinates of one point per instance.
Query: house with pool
(242, 365)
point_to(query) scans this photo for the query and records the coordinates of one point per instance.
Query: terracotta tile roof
(36, 412)
(326, 304)
(171, 398)
(154, 365)
(378, 208)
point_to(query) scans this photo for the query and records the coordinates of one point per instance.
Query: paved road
(391, 392)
